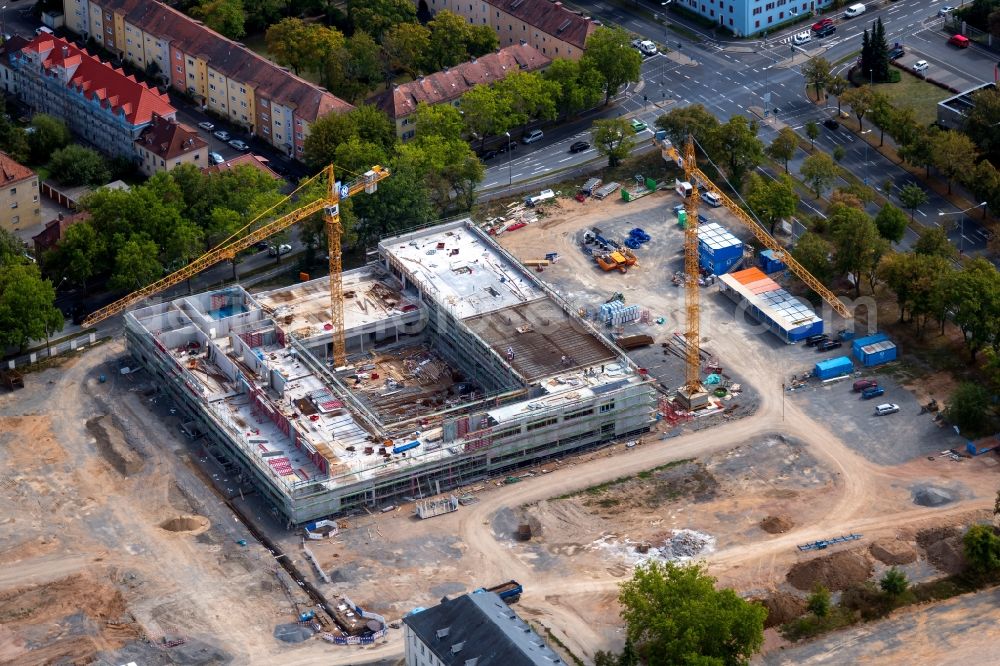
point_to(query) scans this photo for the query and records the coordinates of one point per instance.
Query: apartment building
(448, 87)
(166, 144)
(98, 102)
(548, 26)
(19, 205)
(752, 17)
(223, 76)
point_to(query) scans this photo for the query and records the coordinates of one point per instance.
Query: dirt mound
(70, 620)
(782, 607)
(931, 535)
(946, 555)
(932, 496)
(777, 524)
(893, 552)
(195, 524)
(836, 571)
(112, 445)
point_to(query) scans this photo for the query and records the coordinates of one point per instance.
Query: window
(13, 205)
(267, 131)
(34, 199)
(507, 432)
(769, 6)
(298, 135)
(162, 163)
(770, 19)
(578, 413)
(196, 155)
(608, 429)
(15, 220)
(211, 75)
(406, 121)
(190, 75)
(243, 104)
(541, 424)
(781, 15)
(607, 407)
(278, 137)
(264, 117)
(190, 62)
(212, 99)
(243, 90)
(211, 86)
(757, 10)
(177, 56)
(13, 191)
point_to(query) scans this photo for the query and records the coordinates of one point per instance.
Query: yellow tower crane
(328, 202)
(693, 393)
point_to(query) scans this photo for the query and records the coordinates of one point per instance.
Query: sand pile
(893, 552)
(836, 571)
(777, 524)
(946, 555)
(782, 607)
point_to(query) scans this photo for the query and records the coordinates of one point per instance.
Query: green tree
(11, 248)
(819, 601)
(975, 305)
(836, 87)
(27, 305)
(327, 134)
(882, 114)
(954, 154)
(353, 69)
(224, 16)
(401, 203)
(376, 17)
(865, 60)
(47, 135)
(879, 52)
(14, 141)
(903, 127)
(981, 547)
(969, 409)
(920, 150)
(407, 45)
(912, 196)
(858, 246)
(446, 166)
(613, 139)
(77, 255)
(812, 131)
(784, 146)
(529, 97)
(860, 100)
(839, 153)
(302, 46)
(441, 120)
(480, 40)
(771, 200)
(77, 165)
(817, 73)
(891, 223)
(136, 264)
(933, 241)
(984, 183)
(486, 112)
(262, 13)
(894, 582)
(814, 254)
(694, 120)
(736, 143)
(609, 52)
(983, 120)
(580, 88)
(819, 170)
(449, 35)
(674, 615)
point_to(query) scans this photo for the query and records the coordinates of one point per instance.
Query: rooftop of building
(169, 139)
(13, 172)
(479, 629)
(55, 229)
(115, 89)
(770, 298)
(452, 83)
(963, 101)
(230, 58)
(550, 17)
(246, 159)
(464, 273)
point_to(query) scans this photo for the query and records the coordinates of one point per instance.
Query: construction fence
(52, 350)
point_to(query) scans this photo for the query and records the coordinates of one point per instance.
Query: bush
(981, 546)
(77, 165)
(819, 601)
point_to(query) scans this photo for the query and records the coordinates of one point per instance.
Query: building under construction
(461, 366)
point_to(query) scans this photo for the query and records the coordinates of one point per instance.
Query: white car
(946, 10)
(802, 38)
(920, 66)
(647, 48)
(281, 249)
(215, 158)
(207, 126)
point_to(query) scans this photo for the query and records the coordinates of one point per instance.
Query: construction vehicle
(509, 591)
(259, 229)
(693, 394)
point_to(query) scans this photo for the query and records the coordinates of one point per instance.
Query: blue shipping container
(858, 343)
(406, 447)
(834, 367)
(877, 354)
(768, 263)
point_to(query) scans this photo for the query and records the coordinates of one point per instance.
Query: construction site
(461, 365)
(501, 404)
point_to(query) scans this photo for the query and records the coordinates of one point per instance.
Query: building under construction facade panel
(461, 366)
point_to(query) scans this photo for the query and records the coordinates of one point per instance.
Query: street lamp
(509, 157)
(867, 131)
(961, 231)
(3, 21)
(663, 65)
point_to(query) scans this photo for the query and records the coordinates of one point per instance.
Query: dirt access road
(856, 506)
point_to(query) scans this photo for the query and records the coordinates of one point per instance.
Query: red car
(863, 384)
(822, 23)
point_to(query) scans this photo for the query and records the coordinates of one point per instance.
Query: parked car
(647, 48)
(221, 135)
(961, 41)
(678, 209)
(826, 30)
(822, 23)
(262, 245)
(863, 384)
(872, 392)
(638, 125)
(283, 249)
(636, 43)
(579, 147)
(946, 10)
(207, 126)
(814, 340)
(489, 154)
(886, 408)
(831, 124)
(855, 10)
(829, 345)
(239, 145)
(533, 136)
(920, 66)
(802, 38)
(896, 51)
(504, 146)
(215, 158)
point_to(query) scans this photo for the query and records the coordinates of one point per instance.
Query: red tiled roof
(247, 159)
(452, 83)
(13, 172)
(98, 80)
(233, 60)
(549, 17)
(169, 139)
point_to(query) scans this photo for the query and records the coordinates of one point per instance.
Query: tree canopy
(27, 303)
(609, 52)
(613, 139)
